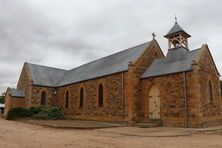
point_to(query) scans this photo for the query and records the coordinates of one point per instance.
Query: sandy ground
(23, 135)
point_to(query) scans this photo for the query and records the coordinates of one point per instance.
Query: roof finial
(154, 35)
(175, 19)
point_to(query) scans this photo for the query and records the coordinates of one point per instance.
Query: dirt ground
(24, 135)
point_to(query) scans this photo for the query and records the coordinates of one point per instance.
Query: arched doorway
(154, 103)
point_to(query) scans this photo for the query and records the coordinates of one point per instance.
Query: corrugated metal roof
(17, 93)
(45, 76)
(108, 65)
(175, 29)
(118, 62)
(177, 60)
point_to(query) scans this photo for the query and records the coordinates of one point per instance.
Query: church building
(136, 85)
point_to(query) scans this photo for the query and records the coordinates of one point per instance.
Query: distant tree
(221, 87)
(2, 98)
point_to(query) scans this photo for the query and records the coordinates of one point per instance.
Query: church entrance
(154, 103)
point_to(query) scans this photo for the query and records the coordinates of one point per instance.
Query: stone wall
(135, 72)
(36, 96)
(211, 110)
(32, 92)
(172, 109)
(25, 83)
(112, 108)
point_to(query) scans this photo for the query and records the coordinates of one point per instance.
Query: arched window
(100, 95)
(67, 99)
(210, 90)
(43, 98)
(81, 97)
(155, 55)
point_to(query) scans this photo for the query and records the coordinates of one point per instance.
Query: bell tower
(177, 37)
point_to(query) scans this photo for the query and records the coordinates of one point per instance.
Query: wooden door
(154, 103)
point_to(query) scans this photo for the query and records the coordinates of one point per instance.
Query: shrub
(19, 112)
(34, 110)
(52, 113)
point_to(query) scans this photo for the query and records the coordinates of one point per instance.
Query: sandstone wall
(211, 111)
(172, 95)
(112, 108)
(133, 82)
(25, 83)
(36, 96)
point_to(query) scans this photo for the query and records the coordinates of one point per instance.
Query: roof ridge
(110, 55)
(46, 66)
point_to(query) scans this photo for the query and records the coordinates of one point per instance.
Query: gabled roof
(45, 76)
(16, 93)
(115, 63)
(176, 29)
(105, 66)
(177, 60)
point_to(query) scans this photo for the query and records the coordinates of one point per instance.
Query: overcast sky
(68, 33)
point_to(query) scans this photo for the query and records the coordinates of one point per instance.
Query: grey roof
(118, 62)
(17, 93)
(105, 66)
(175, 29)
(45, 76)
(177, 60)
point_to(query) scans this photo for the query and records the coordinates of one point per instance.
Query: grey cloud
(66, 34)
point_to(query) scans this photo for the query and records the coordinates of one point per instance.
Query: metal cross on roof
(175, 19)
(154, 35)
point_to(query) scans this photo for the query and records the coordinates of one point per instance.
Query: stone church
(135, 85)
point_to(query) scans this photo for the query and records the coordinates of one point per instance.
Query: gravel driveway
(23, 135)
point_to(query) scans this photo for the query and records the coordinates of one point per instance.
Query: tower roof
(176, 29)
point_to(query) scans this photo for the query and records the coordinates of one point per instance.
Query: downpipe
(122, 98)
(185, 100)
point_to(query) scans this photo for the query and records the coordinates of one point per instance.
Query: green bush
(2, 99)
(52, 113)
(19, 112)
(34, 110)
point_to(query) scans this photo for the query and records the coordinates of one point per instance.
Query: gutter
(186, 124)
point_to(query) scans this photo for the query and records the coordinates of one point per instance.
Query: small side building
(14, 98)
